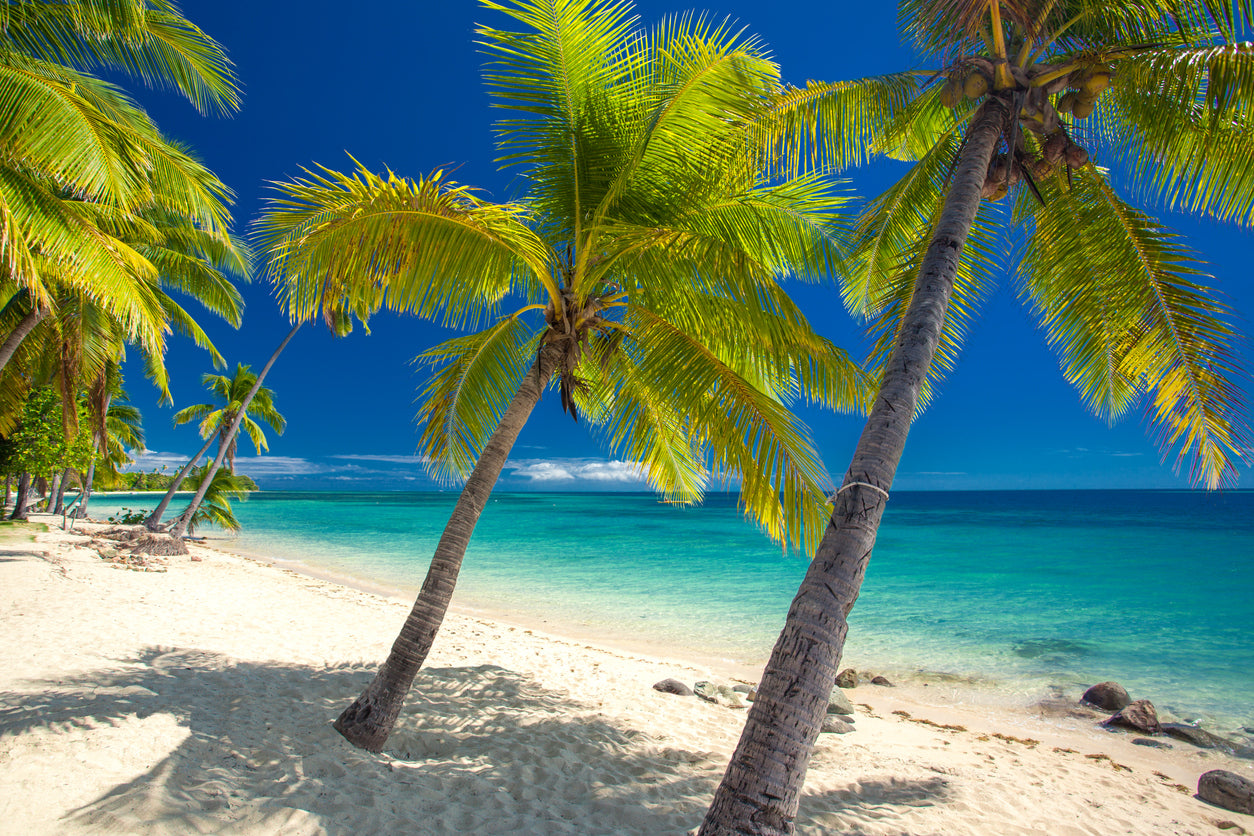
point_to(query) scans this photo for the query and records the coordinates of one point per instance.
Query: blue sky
(398, 84)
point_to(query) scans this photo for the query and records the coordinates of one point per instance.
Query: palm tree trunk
(180, 525)
(50, 493)
(153, 522)
(88, 486)
(60, 491)
(761, 789)
(23, 329)
(23, 494)
(8, 489)
(369, 720)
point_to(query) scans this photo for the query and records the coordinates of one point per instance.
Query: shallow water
(1017, 591)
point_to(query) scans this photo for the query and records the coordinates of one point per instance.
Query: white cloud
(277, 466)
(577, 470)
(941, 473)
(154, 460)
(413, 459)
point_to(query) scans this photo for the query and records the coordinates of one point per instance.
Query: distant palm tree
(1028, 92)
(238, 398)
(647, 256)
(215, 508)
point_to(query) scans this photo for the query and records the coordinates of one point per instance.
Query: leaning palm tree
(646, 256)
(239, 397)
(1028, 96)
(222, 487)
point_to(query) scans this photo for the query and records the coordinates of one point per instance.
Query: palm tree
(647, 256)
(84, 161)
(239, 397)
(1029, 93)
(222, 487)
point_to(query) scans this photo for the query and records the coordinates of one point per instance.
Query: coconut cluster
(1040, 115)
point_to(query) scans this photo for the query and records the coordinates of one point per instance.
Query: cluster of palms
(103, 220)
(673, 181)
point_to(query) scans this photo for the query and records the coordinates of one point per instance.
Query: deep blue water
(1018, 590)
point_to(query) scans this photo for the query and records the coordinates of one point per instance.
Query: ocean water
(1009, 593)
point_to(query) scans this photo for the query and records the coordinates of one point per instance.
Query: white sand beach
(199, 700)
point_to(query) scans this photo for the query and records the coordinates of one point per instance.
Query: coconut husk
(1067, 103)
(975, 86)
(1084, 107)
(119, 533)
(1077, 157)
(160, 544)
(1055, 146)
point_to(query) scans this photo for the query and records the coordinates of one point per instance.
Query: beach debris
(1109, 696)
(848, 678)
(672, 686)
(905, 715)
(1228, 824)
(1203, 739)
(835, 725)
(159, 544)
(718, 694)
(1139, 715)
(1227, 790)
(881, 681)
(1118, 767)
(1151, 742)
(838, 703)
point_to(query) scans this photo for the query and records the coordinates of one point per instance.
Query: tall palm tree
(82, 159)
(647, 255)
(1029, 95)
(223, 486)
(239, 398)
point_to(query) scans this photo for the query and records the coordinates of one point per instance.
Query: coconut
(975, 86)
(1083, 107)
(1067, 102)
(1042, 168)
(1077, 157)
(1095, 83)
(949, 94)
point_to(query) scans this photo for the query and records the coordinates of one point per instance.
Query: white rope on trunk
(875, 488)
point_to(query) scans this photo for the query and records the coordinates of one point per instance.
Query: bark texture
(180, 525)
(22, 499)
(154, 519)
(60, 492)
(23, 329)
(761, 789)
(369, 720)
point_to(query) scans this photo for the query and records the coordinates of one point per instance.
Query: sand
(199, 700)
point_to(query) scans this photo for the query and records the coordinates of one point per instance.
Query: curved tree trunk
(88, 486)
(50, 493)
(369, 720)
(761, 789)
(23, 329)
(23, 497)
(180, 525)
(153, 522)
(60, 492)
(8, 489)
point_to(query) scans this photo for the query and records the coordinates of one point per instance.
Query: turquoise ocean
(1009, 593)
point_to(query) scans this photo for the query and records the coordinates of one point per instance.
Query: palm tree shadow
(478, 749)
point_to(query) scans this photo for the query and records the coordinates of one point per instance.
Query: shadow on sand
(479, 750)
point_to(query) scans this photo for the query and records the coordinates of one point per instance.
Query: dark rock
(881, 680)
(848, 678)
(1153, 744)
(1203, 739)
(1109, 696)
(838, 703)
(752, 695)
(718, 694)
(742, 688)
(1227, 790)
(672, 686)
(834, 725)
(1139, 715)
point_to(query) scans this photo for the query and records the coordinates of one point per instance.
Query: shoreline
(199, 699)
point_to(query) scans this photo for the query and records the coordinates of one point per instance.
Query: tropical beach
(548, 380)
(197, 696)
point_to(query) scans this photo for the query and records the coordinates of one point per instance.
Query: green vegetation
(159, 480)
(1028, 96)
(647, 283)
